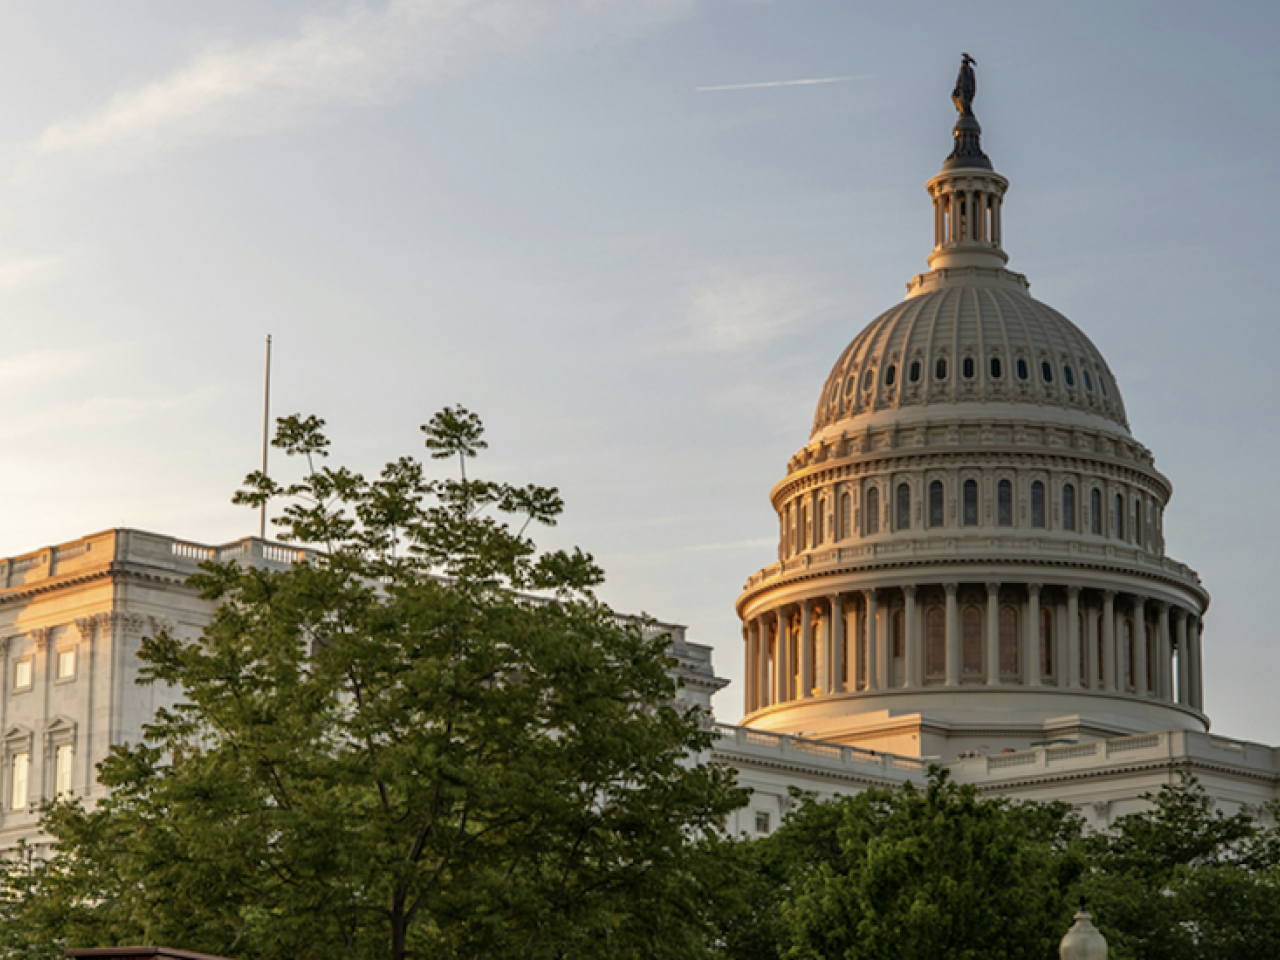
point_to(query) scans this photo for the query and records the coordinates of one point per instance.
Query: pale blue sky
(527, 207)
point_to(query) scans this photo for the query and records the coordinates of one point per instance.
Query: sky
(617, 232)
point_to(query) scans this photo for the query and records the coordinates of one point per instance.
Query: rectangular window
(62, 759)
(67, 663)
(22, 671)
(762, 821)
(19, 768)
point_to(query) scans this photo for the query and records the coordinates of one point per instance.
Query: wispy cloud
(365, 54)
(812, 81)
(736, 310)
(22, 370)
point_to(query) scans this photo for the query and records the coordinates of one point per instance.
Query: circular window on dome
(890, 375)
(968, 368)
(913, 372)
(1068, 375)
(1023, 372)
(1088, 380)
(1046, 371)
(866, 380)
(997, 370)
(940, 369)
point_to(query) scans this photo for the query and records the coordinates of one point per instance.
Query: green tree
(1184, 881)
(911, 874)
(392, 751)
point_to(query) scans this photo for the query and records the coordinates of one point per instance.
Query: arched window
(971, 503)
(1119, 518)
(1046, 643)
(1095, 511)
(1008, 641)
(997, 370)
(903, 519)
(820, 523)
(1068, 507)
(1101, 650)
(873, 510)
(1102, 382)
(791, 528)
(1004, 503)
(1088, 380)
(940, 369)
(937, 516)
(890, 375)
(913, 373)
(804, 526)
(968, 369)
(1046, 371)
(1037, 504)
(935, 643)
(971, 641)
(866, 380)
(1023, 372)
(1084, 659)
(1137, 521)
(846, 516)
(1068, 375)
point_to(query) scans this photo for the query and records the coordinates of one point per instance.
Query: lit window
(1037, 504)
(971, 503)
(1068, 507)
(1046, 371)
(940, 369)
(914, 372)
(969, 368)
(890, 375)
(62, 758)
(19, 769)
(997, 371)
(935, 504)
(1004, 503)
(1023, 372)
(904, 507)
(67, 663)
(22, 673)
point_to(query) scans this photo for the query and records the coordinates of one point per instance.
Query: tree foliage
(390, 751)
(911, 874)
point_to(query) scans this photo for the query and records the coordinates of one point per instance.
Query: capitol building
(971, 573)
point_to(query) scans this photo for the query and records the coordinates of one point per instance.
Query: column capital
(1109, 596)
(1034, 589)
(909, 590)
(1164, 606)
(1177, 612)
(871, 592)
(993, 588)
(951, 588)
(1073, 593)
(40, 635)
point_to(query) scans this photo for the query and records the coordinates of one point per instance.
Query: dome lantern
(968, 193)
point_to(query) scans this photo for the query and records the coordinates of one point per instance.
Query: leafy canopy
(388, 751)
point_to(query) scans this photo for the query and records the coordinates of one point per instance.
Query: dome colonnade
(972, 542)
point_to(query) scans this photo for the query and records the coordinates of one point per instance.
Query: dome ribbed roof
(991, 342)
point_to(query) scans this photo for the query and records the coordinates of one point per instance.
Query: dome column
(993, 634)
(1072, 679)
(1092, 661)
(806, 650)
(1109, 641)
(837, 643)
(873, 641)
(1184, 658)
(911, 655)
(1164, 657)
(1197, 672)
(782, 666)
(953, 636)
(1140, 647)
(1033, 668)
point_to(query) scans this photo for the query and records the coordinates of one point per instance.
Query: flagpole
(266, 430)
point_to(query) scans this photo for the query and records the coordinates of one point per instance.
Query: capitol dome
(971, 542)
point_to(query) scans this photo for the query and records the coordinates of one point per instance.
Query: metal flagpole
(266, 429)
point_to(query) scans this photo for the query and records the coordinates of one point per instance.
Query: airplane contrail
(778, 83)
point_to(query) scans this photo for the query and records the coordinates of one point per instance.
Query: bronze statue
(966, 86)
